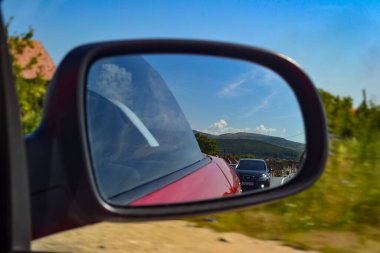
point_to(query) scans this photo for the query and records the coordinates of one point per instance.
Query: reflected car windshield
(136, 128)
(251, 165)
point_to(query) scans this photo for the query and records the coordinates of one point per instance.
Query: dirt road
(158, 237)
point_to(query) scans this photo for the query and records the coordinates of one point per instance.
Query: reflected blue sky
(220, 95)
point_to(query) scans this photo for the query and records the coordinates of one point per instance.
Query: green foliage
(344, 203)
(207, 145)
(339, 113)
(345, 122)
(346, 196)
(31, 92)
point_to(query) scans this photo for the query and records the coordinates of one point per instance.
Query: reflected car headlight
(263, 177)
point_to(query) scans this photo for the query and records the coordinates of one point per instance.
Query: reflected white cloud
(265, 130)
(221, 127)
(263, 76)
(231, 90)
(112, 82)
(248, 81)
(264, 103)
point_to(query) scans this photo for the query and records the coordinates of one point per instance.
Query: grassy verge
(340, 213)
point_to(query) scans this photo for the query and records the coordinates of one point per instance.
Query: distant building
(45, 65)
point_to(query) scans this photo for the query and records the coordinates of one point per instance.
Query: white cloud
(261, 129)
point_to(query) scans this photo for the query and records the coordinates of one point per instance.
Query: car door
(14, 198)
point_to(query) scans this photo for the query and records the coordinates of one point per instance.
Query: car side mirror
(121, 146)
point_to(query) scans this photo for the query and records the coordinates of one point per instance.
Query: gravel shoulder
(166, 236)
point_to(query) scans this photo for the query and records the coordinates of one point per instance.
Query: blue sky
(336, 42)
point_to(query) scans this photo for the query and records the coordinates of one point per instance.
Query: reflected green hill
(276, 141)
(255, 148)
(257, 145)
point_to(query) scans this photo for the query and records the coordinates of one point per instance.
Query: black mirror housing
(64, 185)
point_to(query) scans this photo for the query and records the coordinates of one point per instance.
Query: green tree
(207, 145)
(339, 113)
(31, 92)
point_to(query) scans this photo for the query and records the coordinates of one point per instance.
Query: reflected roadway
(277, 181)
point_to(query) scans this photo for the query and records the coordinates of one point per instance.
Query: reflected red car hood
(214, 180)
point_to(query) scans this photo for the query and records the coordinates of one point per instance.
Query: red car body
(216, 179)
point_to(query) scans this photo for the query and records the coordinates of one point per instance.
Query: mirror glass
(168, 128)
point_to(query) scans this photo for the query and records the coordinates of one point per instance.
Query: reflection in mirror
(169, 128)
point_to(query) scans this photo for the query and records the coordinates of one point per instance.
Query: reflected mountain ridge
(260, 145)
